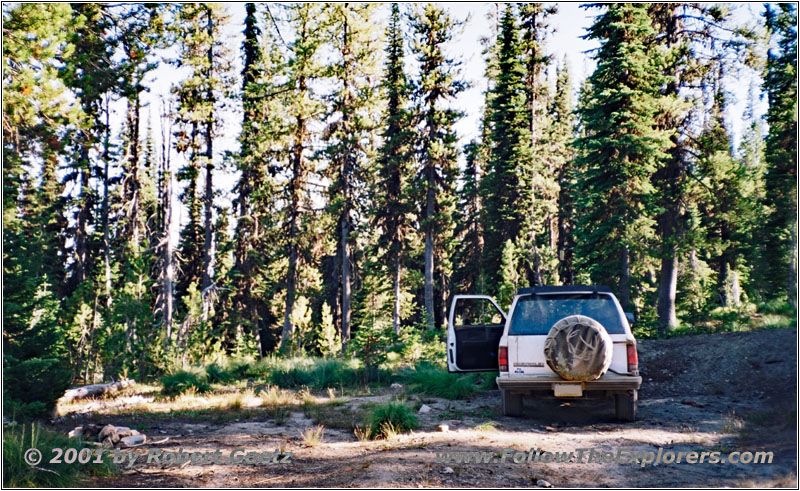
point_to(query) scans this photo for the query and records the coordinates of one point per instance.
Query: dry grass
(312, 436)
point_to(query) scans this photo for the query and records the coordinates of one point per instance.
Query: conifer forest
(308, 191)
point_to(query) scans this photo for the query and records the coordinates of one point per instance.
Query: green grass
(17, 473)
(435, 381)
(317, 373)
(182, 381)
(386, 420)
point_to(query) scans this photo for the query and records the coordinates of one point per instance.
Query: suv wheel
(626, 405)
(512, 403)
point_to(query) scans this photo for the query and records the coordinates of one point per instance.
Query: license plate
(567, 390)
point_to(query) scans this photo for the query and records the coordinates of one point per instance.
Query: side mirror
(629, 316)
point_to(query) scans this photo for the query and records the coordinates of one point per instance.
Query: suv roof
(565, 288)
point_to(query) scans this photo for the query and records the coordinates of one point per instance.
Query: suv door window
(477, 326)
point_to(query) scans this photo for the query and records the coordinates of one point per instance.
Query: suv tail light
(633, 358)
(502, 358)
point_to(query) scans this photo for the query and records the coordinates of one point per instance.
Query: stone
(425, 409)
(133, 440)
(543, 484)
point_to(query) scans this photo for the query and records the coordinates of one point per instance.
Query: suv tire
(626, 405)
(512, 403)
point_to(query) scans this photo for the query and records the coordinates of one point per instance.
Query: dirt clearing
(706, 393)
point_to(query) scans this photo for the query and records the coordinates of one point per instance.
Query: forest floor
(704, 393)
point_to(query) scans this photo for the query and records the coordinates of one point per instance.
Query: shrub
(215, 374)
(32, 387)
(390, 418)
(435, 381)
(181, 381)
(17, 473)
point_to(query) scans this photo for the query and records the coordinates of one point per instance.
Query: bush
(17, 473)
(390, 418)
(435, 381)
(32, 387)
(215, 374)
(182, 381)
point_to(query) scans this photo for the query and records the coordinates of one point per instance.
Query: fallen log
(95, 390)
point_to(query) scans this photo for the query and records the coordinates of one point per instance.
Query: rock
(425, 409)
(444, 428)
(448, 470)
(133, 440)
(77, 432)
(396, 386)
(543, 484)
(109, 432)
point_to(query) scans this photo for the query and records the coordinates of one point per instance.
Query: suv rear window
(536, 314)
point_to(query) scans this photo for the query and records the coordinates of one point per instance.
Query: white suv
(480, 338)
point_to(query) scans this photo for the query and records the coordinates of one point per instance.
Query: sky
(570, 22)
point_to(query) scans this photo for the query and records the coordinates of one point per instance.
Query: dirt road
(722, 392)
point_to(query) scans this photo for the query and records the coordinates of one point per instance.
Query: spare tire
(578, 348)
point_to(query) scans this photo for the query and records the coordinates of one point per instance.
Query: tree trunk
(625, 280)
(396, 312)
(208, 247)
(667, 288)
(792, 283)
(345, 281)
(294, 189)
(429, 211)
(106, 239)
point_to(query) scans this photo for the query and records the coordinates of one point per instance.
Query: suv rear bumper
(609, 382)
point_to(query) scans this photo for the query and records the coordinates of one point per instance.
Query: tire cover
(578, 348)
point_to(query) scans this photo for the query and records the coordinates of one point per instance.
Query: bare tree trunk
(208, 247)
(396, 312)
(667, 288)
(294, 189)
(429, 211)
(106, 239)
(792, 283)
(625, 280)
(345, 281)
(167, 262)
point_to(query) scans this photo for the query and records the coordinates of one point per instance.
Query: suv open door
(475, 326)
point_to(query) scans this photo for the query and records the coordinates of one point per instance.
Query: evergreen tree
(438, 82)
(202, 51)
(468, 275)
(394, 164)
(780, 84)
(560, 154)
(352, 119)
(621, 149)
(544, 170)
(696, 38)
(506, 188)
(302, 109)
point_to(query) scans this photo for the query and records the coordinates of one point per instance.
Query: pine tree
(202, 50)
(543, 214)
(38, 113)
(302, 109)
(354, 71)
(506, 188)
(621, 149)
(780, 84)
(468, 274)
(560, 135)
(438, 82)
(394, 164)
(695, 39)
